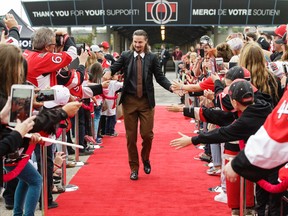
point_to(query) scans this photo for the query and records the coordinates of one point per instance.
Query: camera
(84, 48)
(3, 27)
(59, 40)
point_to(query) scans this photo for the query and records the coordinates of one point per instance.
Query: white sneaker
(213, 171)
(217, 189)
(222, 197)
(210, 164)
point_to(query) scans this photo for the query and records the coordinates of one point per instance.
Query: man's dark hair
(140, 32)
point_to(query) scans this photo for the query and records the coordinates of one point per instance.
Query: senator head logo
(161, 11)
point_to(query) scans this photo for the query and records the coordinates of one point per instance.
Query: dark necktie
(139, 77)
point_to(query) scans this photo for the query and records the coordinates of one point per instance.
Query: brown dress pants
(137, 109)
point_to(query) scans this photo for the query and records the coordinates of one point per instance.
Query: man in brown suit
(138, 101)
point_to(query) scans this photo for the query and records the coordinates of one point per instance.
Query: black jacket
(241, 129)
(151, 67)
(10, 141)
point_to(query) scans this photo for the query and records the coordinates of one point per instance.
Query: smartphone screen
(45, 95)
(21, 104)
(219, 65)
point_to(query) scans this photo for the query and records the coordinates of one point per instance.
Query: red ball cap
(280, 31)
(105, 44)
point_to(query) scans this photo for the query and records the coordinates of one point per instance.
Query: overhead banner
(159, 12)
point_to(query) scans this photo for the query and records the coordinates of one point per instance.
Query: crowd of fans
(75, 76)
(229, 90)
(237, 84)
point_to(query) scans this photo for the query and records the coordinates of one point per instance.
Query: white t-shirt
(114, 86)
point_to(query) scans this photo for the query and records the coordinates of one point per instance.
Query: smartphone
(232, 64)
(21, 103)
(200, 52)
(3, 27)
(45, 95)
(213, 65)
(285, 68)
(219, 65)
(86, 48)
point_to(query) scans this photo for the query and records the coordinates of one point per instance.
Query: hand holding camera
(10, 21)
(83, 57)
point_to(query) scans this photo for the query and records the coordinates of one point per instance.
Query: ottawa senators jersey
(43, 67)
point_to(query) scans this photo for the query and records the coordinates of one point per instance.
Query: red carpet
(178, 184)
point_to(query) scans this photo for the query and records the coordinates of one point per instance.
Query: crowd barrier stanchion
(77, 161)
(44, 193)
(77, 137)
(66, 187)
(63, 149)
(284, 201)
(242, 196)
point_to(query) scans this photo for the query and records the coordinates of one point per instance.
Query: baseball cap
(242, 91)
(62, 95)
(237, 72)
(282, 40)
(235, 43)
(115, 54)
(95, 48)
(263, 43)
(280, 30)
(105, 44)
(205, 39)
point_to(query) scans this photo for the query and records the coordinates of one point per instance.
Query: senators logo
(161, 11)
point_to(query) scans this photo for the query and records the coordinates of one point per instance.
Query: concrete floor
(162, 97)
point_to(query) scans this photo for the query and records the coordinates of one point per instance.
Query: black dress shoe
(51, 205)
(134, 175)
(147, 167)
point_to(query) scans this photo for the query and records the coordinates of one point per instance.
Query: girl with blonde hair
(252, 57)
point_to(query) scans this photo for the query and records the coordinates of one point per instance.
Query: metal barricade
(242, 196)
(44, 193)
(64, 150)
(77, 137)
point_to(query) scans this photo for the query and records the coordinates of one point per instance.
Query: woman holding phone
(30, 181)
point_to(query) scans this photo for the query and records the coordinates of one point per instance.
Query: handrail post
(44, 193)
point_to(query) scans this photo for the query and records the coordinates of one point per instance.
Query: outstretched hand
(177, 88)
(229, 173)
(177, 85)
(72, 108)
(175, 108)
(181, 142)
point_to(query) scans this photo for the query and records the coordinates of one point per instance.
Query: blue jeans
(110, 125)
(28, 190)
(97, 115)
